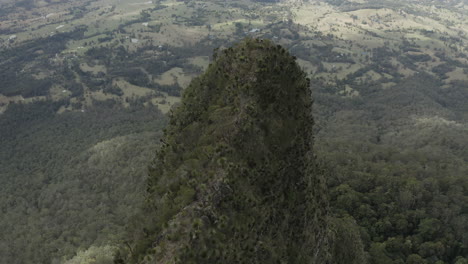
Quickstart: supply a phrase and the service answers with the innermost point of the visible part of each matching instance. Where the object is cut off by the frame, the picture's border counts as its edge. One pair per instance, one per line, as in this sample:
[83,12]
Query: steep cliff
[235,180]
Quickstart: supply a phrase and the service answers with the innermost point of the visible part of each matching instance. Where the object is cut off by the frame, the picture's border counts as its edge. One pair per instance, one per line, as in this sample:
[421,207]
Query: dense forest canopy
[61,178]
[86,86]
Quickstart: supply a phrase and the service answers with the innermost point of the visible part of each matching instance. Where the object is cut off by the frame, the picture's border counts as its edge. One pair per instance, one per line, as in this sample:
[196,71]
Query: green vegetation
[13,62]
[389,84]
[235,180]
[398,160]
[70,180]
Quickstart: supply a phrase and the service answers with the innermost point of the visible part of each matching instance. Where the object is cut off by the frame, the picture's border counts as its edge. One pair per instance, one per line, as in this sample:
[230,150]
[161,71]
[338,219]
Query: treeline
[135,67]
[17,78]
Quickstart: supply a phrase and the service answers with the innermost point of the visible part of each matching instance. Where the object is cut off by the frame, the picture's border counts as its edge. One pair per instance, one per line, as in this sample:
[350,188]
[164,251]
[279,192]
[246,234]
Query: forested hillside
[70,181]
[85,86]
[235,181]
[399,166]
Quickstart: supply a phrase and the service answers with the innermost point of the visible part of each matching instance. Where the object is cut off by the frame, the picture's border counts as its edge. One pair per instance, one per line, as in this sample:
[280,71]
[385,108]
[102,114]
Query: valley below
[87,88]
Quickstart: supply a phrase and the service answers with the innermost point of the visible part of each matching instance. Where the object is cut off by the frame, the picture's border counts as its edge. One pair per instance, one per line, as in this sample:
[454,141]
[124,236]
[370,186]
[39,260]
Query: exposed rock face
[235,181]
